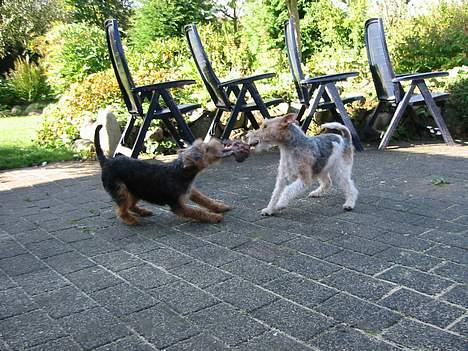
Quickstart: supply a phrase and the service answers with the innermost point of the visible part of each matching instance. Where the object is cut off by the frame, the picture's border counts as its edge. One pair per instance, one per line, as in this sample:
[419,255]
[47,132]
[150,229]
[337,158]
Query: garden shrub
[7,94]
[71,52]
[430,42]
[166,18]
[62,121]
[456,108]
[27,82]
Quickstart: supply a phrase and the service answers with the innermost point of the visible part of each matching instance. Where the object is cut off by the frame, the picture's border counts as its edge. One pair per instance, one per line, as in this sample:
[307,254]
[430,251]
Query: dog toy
[239,149]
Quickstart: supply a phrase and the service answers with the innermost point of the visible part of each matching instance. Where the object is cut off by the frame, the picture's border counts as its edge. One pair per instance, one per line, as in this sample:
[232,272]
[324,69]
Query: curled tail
[97,145]
[343,129]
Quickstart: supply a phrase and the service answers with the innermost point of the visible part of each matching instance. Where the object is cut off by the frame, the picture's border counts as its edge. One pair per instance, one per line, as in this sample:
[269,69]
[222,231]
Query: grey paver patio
[390,275]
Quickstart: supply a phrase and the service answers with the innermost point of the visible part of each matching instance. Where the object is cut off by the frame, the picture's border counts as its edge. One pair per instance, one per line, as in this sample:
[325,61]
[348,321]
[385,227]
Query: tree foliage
[20,21]
[166,18]
[72,52]
[97,11]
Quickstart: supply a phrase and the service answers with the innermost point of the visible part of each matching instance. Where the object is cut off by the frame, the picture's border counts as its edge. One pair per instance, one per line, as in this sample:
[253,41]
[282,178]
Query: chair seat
[184,108]
[418,99]
[347,100]
[253,106]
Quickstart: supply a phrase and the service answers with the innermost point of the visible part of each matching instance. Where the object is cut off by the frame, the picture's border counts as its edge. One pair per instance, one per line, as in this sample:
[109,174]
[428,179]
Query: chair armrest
[247,79]
[165,85]
[329,78]
[419,76]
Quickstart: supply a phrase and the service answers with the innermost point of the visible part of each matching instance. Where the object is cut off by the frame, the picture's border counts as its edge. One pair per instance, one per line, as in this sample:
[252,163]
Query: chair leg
[186,132]
[235,89]
[235,112]
[121,146]
[435,111]
[136,149]
[214,123]
[374,115]
[252,119]
[301,113]
[258,100]
[333,92]
[312,108]
[173,131]
[396,117]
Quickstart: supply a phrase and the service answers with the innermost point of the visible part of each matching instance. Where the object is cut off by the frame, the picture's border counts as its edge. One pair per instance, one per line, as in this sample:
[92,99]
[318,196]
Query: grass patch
[17,147]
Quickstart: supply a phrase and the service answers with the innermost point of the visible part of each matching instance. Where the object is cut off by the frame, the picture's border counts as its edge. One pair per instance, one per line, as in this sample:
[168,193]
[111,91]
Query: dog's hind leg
[124,201]
[205,201]
[136,209]
[324,185]
[200,214]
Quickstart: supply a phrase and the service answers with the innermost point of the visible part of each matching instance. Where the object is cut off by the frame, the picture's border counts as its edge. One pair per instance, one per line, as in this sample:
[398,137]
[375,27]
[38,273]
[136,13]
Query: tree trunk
[294,12]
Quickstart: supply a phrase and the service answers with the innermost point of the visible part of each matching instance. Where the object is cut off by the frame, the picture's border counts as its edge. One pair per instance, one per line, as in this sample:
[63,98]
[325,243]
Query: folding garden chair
[221,91]
[389,89]
[323,87]
[134,96]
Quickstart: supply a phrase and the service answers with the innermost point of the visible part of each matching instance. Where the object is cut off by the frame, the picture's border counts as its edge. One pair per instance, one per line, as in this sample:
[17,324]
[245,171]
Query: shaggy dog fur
[129,180]
[305,159]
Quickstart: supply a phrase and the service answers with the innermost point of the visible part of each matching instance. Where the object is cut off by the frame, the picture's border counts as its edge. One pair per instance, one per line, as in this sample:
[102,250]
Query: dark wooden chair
[389,89]
[134,96]
[324,88]
[220,92]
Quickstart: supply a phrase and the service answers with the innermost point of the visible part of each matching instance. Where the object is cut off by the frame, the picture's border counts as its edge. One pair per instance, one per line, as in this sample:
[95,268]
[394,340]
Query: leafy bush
[456,109]
[429,42]
[71,52]
[62,121]
[27,82]
[166,18]
[7,94]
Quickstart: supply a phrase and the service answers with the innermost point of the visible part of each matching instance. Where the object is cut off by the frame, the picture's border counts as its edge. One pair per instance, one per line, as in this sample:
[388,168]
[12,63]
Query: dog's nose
[254,143]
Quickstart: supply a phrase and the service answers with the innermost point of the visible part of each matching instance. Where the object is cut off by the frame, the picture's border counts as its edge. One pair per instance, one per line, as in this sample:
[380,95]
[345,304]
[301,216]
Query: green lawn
[17,147]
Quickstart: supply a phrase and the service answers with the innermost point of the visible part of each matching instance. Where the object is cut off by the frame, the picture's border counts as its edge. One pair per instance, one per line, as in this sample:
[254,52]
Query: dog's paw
[220,207]
[267,212]
[215,218]
[130,220]
[143,212]
[315,193]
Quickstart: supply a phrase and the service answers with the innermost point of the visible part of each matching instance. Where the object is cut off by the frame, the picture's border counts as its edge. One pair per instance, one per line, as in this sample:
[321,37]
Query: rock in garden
[110,133]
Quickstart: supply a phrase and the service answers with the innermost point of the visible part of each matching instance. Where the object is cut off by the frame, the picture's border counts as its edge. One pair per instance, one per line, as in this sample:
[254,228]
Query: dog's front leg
[205,201]
[293,190]
[197,213]
[279,187]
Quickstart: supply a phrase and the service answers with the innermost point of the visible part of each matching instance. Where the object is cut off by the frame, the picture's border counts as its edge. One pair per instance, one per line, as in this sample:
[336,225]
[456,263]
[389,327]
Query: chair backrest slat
[211,81]
[119,63]
[379,61]
[295,59]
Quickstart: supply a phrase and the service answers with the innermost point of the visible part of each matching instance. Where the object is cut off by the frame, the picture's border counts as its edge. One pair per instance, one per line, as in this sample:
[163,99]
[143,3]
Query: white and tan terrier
[305,159]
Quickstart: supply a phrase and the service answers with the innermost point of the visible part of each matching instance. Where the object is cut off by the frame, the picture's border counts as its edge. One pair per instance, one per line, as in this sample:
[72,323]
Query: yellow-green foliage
[71,52]
[63,120]
[27,81]
[430,42]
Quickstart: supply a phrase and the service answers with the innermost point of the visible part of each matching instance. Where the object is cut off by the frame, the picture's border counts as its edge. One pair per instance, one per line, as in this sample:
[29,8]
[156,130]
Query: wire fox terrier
[304,159]
[128,180]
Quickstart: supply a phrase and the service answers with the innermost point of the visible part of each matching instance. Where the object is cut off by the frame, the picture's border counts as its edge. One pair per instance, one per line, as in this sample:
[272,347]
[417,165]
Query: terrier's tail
[97,145]
[342,128]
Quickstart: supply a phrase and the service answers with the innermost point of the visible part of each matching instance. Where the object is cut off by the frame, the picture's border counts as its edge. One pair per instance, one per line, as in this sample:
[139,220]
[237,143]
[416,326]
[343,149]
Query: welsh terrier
[304,159]
[129,180]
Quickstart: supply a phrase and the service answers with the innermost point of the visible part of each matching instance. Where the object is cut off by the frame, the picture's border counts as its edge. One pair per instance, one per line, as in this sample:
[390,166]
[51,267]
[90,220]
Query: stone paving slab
[390,275]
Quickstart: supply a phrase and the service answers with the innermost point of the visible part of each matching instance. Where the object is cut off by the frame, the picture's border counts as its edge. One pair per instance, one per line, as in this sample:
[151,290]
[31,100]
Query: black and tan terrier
[129,180]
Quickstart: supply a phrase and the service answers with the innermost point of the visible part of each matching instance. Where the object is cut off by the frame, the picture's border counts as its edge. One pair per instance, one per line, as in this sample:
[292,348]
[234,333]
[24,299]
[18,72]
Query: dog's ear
[290,118]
